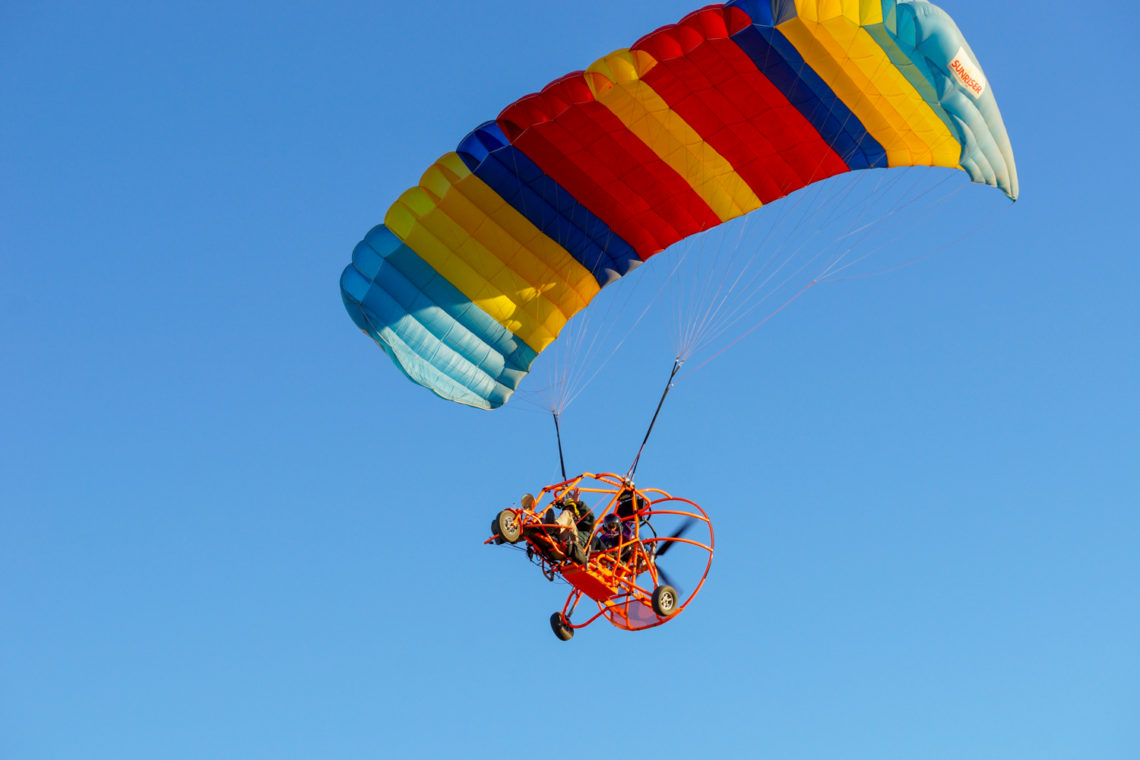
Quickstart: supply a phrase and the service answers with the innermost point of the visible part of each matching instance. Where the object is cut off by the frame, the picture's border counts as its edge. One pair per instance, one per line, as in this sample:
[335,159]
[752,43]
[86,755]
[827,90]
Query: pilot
[609,534]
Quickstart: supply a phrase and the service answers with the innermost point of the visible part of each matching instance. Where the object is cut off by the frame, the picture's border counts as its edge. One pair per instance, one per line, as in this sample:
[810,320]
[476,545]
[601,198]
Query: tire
[664,601]
[507,527]
[561,626]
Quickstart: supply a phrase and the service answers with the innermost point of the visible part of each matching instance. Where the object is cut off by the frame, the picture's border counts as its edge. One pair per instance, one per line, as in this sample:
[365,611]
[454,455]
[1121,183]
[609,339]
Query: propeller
[664,545]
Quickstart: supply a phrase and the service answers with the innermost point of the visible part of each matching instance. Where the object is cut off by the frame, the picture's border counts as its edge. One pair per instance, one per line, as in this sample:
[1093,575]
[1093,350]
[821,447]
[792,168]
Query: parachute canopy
[477,269]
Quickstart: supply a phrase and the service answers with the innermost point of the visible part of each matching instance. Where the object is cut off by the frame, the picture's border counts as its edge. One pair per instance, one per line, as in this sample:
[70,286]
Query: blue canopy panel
[433,333]
[931,39]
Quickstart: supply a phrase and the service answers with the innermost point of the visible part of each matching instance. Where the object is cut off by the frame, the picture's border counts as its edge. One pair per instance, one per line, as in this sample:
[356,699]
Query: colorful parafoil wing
[476,270]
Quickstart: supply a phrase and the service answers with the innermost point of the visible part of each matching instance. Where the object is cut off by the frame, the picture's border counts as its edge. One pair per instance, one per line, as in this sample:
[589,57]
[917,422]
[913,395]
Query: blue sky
[230,528]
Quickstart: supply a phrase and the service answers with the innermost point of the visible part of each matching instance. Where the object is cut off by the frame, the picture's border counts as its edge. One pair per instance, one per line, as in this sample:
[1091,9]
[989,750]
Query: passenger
[576,521]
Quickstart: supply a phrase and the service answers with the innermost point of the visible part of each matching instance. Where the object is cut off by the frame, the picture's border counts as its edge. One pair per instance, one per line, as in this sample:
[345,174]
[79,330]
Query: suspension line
[668,387]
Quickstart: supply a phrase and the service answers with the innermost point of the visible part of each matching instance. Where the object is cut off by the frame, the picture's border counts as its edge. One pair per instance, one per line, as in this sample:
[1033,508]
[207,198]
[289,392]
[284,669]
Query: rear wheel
[664,601]
[561,626]
[507,526]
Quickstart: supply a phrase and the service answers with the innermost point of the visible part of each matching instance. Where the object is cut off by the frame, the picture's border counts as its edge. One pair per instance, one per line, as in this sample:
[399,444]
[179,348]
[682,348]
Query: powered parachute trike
[612,558]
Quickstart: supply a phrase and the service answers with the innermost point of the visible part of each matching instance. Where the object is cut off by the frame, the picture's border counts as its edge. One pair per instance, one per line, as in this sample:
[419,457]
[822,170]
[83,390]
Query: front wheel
[664,601]
[507,526]
[561,626]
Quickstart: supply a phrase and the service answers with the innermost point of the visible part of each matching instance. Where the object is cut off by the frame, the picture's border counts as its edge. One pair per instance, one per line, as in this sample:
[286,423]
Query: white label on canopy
[969,73]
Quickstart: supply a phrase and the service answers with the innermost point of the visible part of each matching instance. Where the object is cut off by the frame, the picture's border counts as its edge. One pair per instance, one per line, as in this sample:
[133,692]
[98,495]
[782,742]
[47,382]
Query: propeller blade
[666,543]
[665,579]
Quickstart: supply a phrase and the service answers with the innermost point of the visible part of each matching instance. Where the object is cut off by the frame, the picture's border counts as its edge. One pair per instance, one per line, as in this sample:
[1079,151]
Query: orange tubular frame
[620,579]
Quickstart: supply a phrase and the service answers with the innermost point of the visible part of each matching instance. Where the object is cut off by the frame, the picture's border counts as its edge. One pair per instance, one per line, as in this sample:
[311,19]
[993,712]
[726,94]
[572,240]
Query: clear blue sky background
[229,528]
